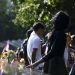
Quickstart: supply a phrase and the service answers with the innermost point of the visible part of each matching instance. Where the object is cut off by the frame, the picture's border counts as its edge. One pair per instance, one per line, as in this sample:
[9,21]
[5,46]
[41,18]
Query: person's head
[38,28]
[29,32]
[60,20]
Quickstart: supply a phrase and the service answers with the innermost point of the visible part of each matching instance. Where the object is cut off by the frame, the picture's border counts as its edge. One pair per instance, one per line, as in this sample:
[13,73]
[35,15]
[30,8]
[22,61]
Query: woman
[55,55]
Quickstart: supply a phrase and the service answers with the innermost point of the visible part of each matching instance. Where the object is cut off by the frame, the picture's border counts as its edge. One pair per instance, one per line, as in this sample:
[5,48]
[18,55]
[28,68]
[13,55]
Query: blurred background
[17,16]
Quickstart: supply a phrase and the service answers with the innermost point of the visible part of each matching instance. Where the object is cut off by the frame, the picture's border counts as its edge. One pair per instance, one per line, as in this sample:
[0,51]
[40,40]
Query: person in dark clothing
[55,56]
[72,71]
[24,46]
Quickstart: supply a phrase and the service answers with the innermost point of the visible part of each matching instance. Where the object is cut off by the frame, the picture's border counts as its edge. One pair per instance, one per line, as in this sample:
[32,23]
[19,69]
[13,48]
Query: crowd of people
[52,53]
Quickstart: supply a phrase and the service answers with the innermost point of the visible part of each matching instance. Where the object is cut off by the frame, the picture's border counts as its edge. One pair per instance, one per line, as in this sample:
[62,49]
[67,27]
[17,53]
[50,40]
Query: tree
[31,11]
[25,12]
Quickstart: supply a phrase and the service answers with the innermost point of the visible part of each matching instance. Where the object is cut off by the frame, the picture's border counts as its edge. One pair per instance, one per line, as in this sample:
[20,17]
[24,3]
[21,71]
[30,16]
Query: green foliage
[3,4]
[31,11]
[25,12]
[26,15]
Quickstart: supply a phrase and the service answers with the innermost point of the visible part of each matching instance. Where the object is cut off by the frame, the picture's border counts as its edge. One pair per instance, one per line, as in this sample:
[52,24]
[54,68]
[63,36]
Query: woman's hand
[35,63]
[29,66]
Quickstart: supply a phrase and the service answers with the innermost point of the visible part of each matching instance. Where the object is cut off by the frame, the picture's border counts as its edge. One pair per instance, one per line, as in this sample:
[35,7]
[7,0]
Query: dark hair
[60,20]
[38,26]
[29,32]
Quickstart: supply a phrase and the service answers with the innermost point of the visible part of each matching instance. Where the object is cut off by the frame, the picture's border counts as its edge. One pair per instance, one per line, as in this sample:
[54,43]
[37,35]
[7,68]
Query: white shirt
[34,42]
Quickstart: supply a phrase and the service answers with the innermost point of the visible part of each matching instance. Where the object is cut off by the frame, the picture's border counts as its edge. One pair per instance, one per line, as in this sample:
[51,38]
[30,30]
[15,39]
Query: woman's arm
[56,50]
[35,63]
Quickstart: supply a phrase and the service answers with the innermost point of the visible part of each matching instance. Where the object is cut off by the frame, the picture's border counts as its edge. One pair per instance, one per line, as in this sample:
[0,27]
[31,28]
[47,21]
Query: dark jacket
[24,46]
[72,71]
[56,54]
